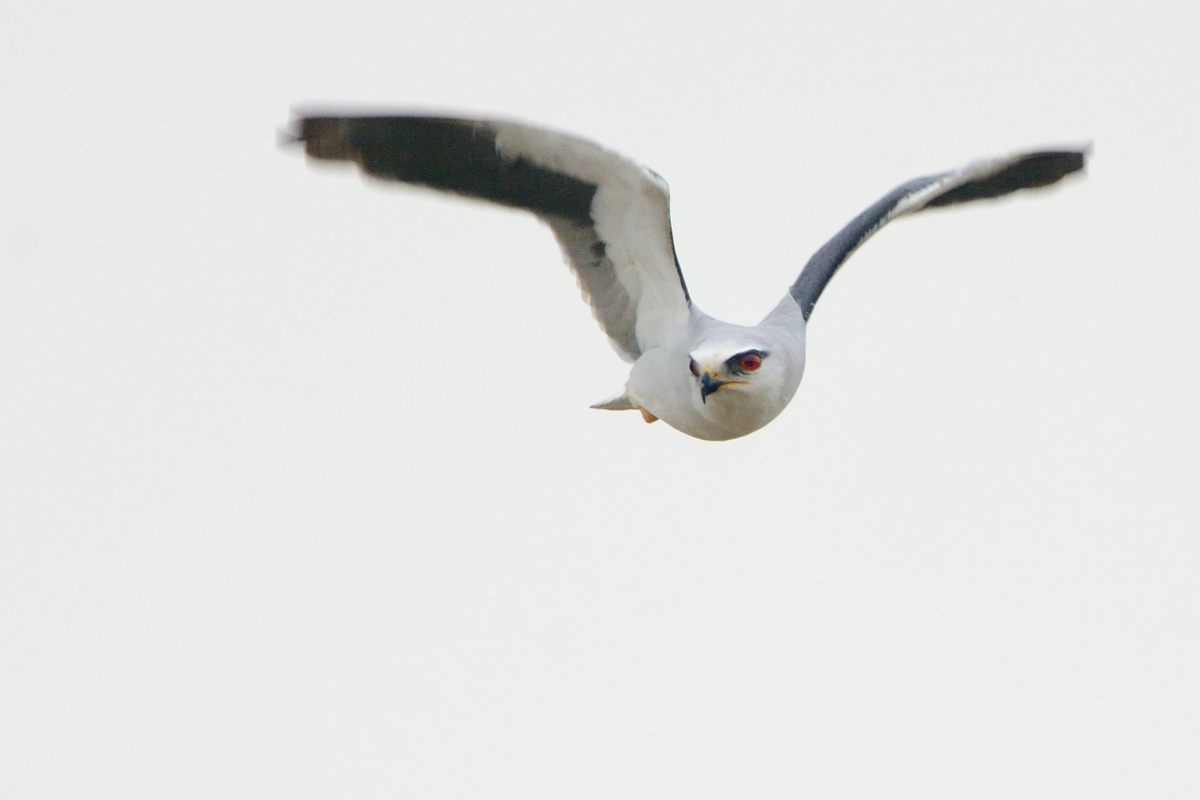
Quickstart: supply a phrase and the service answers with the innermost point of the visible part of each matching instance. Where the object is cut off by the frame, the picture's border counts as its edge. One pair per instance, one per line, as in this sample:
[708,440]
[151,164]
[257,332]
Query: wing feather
[611,215]
[976,181]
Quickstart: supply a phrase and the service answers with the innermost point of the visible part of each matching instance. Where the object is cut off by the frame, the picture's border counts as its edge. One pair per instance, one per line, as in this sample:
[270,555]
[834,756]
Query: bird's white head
[742,383]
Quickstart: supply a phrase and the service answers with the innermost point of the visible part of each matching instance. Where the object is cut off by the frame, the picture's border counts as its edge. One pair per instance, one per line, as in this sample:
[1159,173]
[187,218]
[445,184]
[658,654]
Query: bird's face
[727,383]
[734,372]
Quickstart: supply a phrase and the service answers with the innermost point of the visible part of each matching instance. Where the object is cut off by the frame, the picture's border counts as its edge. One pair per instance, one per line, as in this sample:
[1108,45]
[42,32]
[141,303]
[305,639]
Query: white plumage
[710,379]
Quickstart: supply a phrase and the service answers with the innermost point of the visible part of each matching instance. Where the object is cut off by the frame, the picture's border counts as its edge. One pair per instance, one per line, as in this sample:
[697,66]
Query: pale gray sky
[301,497]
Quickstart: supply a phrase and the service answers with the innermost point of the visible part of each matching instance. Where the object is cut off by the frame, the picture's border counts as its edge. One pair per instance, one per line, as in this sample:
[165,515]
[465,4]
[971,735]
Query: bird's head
[735,372]
[740,382]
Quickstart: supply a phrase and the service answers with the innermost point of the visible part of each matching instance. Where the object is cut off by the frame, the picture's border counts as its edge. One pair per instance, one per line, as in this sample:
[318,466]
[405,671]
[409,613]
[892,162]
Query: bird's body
[659,385]
[707,378]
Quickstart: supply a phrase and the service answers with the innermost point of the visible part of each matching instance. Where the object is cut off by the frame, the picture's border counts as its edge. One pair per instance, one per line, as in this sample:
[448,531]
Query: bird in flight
[707,378]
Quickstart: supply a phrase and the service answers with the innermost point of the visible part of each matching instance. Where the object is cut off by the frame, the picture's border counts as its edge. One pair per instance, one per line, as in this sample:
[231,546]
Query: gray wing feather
[976,181]
[610,215]
[599,285]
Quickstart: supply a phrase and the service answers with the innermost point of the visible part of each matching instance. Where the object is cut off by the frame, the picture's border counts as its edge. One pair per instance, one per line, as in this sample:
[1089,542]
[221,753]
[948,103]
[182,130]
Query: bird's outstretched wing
[975,181]
[611,215]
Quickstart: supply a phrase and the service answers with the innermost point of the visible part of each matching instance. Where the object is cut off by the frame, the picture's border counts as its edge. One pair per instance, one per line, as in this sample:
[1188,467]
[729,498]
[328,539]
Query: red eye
[750,361]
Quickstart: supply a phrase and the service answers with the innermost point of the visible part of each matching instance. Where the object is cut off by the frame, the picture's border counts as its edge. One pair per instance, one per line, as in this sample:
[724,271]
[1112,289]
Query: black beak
[708,385]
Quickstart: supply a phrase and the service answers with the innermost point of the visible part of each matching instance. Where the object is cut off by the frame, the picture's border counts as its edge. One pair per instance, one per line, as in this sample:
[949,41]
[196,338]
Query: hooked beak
[708,385]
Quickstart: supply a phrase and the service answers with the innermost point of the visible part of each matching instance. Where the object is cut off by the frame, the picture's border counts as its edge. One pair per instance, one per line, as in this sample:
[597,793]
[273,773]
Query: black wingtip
[1029,171]
[447,153]
[331,136]
[323,137]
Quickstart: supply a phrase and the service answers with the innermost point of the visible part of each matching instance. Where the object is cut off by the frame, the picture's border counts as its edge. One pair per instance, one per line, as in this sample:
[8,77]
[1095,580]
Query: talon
[646,415]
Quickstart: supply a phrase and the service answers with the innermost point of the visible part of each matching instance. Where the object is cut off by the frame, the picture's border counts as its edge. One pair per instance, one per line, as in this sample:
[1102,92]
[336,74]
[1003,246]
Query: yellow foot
[646,415]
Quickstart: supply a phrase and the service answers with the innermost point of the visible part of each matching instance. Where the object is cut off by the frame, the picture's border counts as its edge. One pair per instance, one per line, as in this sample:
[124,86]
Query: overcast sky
[300,493]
